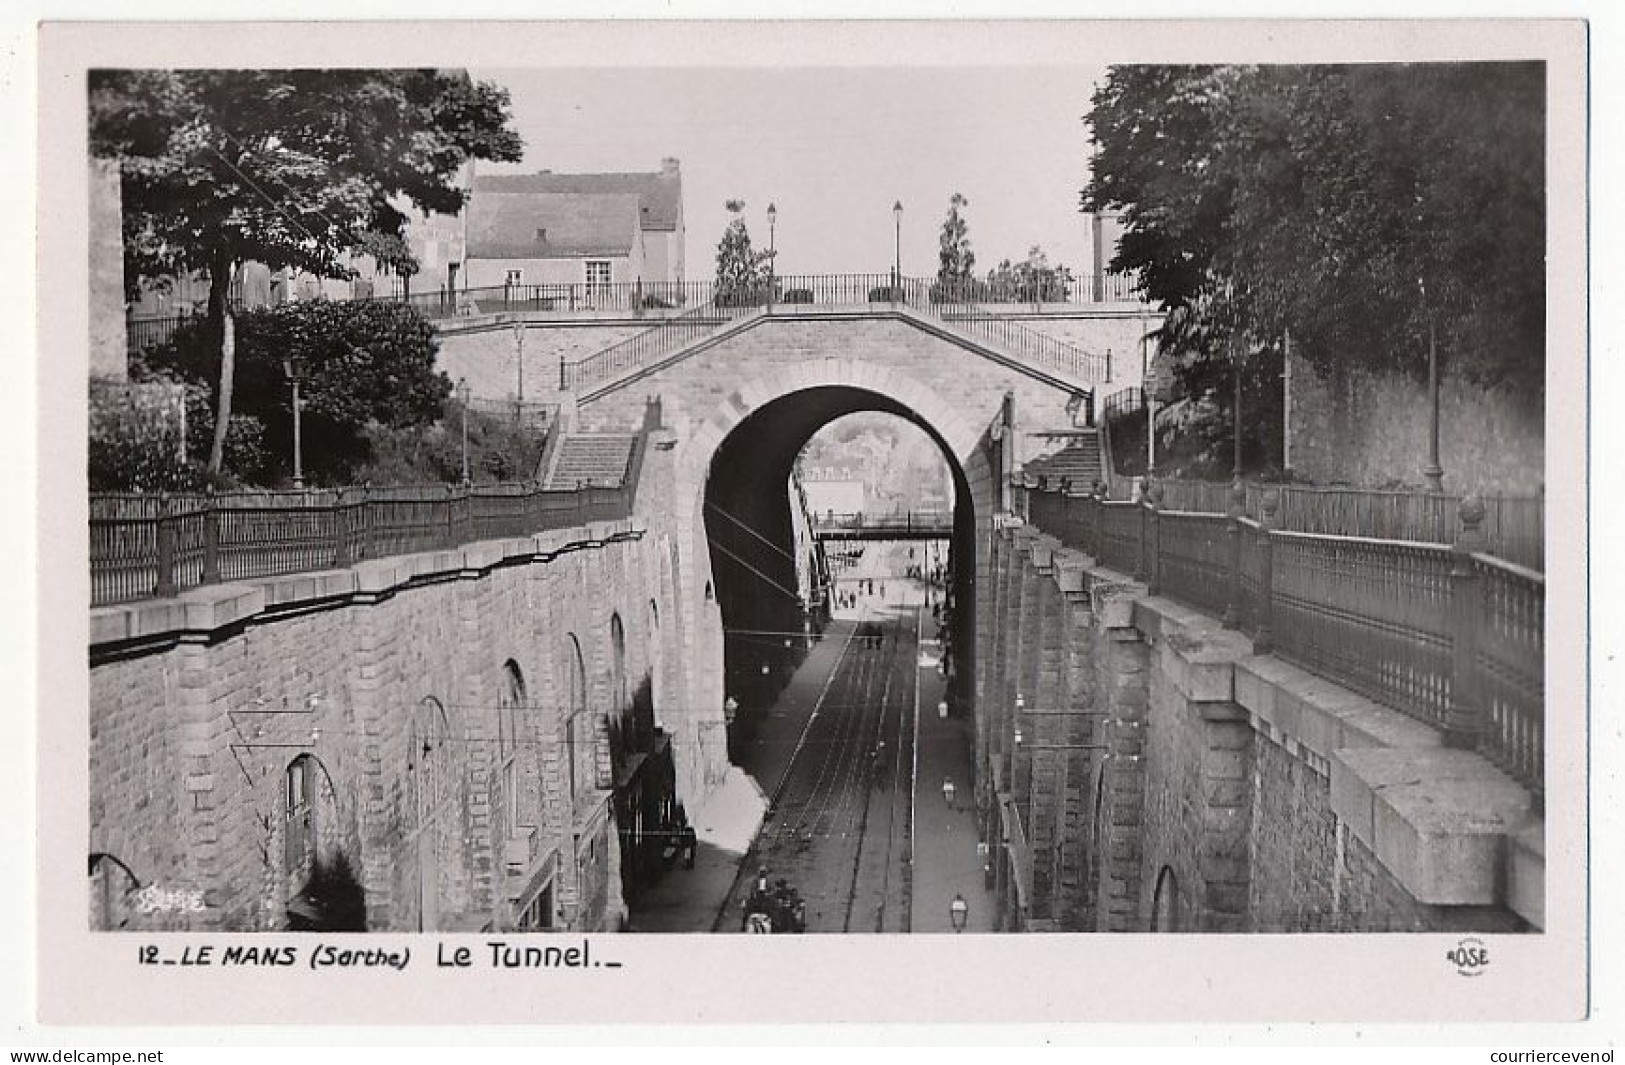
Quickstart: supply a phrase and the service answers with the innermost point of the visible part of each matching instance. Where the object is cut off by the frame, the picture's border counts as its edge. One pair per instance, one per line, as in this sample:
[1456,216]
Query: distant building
[576,229]
[841,497]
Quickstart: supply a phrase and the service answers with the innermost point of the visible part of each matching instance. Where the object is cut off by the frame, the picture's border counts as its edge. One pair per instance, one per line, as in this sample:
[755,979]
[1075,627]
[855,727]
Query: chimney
[670,166]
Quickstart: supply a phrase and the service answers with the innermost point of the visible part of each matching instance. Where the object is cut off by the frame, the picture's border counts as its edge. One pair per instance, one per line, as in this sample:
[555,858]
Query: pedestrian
[948,792]
[942,710]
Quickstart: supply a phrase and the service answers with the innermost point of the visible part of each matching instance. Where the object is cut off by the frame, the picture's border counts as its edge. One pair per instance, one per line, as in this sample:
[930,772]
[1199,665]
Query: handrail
[144,547]
[1513,527]
[793,293]
[955,306]
[647,347]
[1442,632]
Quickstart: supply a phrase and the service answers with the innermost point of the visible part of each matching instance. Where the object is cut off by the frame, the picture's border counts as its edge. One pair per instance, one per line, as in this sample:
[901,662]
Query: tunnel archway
[747,515]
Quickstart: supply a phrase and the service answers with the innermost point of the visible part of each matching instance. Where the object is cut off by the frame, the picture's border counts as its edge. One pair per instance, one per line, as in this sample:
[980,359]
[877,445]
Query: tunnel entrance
[773,587]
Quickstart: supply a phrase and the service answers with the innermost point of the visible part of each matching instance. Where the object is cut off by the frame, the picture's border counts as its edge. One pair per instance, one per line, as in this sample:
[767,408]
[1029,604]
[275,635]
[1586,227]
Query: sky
[833,148]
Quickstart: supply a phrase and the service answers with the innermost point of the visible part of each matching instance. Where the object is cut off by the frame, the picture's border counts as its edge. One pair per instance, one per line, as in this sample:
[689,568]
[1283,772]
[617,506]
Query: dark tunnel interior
[748,521]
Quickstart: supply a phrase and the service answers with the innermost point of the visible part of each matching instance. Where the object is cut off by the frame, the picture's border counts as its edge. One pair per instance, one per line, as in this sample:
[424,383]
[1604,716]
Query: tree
[1356,207]
[366,364]
[1031,281]
[742,272]
[297,169]
[955,260]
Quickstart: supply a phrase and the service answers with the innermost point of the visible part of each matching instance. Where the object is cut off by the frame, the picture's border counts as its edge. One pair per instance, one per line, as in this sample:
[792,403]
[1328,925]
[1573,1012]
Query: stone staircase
[597,460]
[1078,464]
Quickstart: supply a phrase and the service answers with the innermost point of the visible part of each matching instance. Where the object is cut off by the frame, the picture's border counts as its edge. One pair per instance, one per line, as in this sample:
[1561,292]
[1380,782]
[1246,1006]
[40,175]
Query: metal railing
[909,521]
[144,334]
[1439,631]
[646,348]
[949,306]
[791,293]
[1123,402]
[1065,290]
[155,546]
[1514,526]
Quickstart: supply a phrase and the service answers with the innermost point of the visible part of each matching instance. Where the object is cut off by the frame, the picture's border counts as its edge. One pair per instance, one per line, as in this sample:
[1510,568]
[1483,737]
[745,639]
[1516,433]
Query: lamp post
[294,368]
[1433,472]
[772,252]
[1150,395]
[462,401]
[958,913]
[1236,356]
[897,249]
[519,353]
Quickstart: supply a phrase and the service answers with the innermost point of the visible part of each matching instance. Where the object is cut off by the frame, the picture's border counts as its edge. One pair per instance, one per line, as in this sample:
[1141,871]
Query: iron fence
[1123,402]
[646,348]
[144,334]
[1514,526]
[1442,632]
[789,294]
[146,546]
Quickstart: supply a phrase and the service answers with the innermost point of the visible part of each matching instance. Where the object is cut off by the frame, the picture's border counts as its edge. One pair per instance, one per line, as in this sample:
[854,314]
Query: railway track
[833,826]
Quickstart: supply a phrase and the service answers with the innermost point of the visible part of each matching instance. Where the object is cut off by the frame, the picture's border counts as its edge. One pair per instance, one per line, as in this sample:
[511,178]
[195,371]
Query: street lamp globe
[958,913]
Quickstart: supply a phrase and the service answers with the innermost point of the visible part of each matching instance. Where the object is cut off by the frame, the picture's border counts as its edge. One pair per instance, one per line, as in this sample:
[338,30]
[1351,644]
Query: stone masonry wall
[1247,794]
[695,386]
[488,359]
[191,741]
[1489,440]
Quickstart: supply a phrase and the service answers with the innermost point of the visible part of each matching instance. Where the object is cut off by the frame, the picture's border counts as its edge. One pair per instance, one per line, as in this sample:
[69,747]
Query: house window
[515,277]
[598,273]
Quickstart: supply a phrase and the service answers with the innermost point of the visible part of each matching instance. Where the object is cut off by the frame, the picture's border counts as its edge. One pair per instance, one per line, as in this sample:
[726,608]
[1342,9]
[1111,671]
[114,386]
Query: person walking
[948,791]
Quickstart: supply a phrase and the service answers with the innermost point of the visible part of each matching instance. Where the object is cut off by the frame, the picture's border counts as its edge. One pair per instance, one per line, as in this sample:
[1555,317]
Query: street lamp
[519,352]
[897,249]
[772,250]
[958,912]
[294,369]
[1434,472]
[462,401]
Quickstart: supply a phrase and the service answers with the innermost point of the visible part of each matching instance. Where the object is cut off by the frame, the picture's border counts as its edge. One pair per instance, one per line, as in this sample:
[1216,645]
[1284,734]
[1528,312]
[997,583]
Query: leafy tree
[1356,207]
[296,169]
[742,272]
[1031,281]
[955,260]
[366,364]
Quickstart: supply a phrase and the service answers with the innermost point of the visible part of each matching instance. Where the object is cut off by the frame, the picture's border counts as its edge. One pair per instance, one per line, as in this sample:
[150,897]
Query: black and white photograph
[958,504]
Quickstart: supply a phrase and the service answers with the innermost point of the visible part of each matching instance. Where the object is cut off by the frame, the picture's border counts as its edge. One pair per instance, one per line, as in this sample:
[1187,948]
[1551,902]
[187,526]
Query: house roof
[660,194]
[518,225]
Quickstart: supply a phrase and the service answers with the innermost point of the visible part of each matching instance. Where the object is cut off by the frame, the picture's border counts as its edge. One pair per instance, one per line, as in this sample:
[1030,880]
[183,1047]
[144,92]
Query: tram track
[824,833]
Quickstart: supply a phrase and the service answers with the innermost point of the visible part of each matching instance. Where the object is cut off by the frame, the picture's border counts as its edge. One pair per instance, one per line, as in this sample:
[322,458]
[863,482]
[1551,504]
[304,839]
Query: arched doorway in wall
[1165,903]
[432,776]
[1097,846]
[322,882]
[113,894]
[579,728]
[511,699]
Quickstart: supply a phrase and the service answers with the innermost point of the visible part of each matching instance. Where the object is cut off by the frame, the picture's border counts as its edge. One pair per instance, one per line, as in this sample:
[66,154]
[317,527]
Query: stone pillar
[1226,793]
[109,355]
[203,734]
[1123,680]
[1045,730]
[989,668]
[1080,732]
[380,846]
